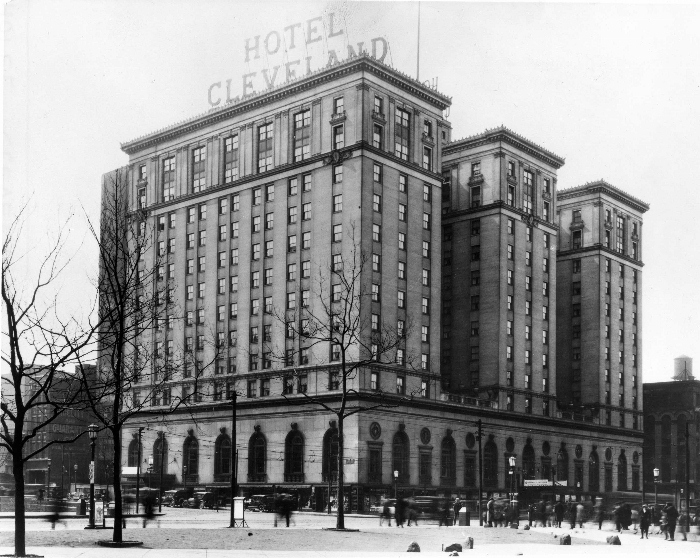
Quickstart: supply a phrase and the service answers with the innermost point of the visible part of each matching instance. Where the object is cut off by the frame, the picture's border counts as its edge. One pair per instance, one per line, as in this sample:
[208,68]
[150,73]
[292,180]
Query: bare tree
[137,362]
[335,318]
[37,347]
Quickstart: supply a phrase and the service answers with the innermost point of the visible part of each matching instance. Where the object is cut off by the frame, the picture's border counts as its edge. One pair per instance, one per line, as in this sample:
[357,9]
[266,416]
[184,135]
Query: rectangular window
[168,180]
[426,249]
[265,146]
[338,203]
[269,249]
[620,234]
[511,226]
[376,262]
[199,159]
[511,196]
[337,174]
[576,240]
[510,251]
[375,292]
[528,182]
[377,136]
[302,135]
[427,158]
[476,196]
[426,277]
[255,254]
[338,137]
[402,270]
[425,305]
[291,301]
[425,361]
[231,158]
[400,385]
[401,299]
[402,134]
[426,221]
[202,212]
[474,302]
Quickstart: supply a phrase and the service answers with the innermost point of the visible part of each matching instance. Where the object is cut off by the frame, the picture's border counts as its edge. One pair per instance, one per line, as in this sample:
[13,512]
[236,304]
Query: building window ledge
[476,179]
[379,117]
[576,225]
[428,140]
[338,117]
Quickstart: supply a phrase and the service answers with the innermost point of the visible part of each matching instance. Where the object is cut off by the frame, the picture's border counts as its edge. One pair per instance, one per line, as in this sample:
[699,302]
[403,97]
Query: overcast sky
[615,89]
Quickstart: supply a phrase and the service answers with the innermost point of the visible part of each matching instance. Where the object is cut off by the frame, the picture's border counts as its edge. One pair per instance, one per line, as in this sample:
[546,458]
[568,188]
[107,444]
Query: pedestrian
[580,514]
[572,514]
[634,518]
[399,512]
[559,513]
[490,509]
[600,515]
[386,514]
[411,512]
[663,524]
[549,514]
[682,519]
[149,513]
[54,516]
[542,513]
[617,516]
[444,513]
[457,506]
[287,510]
[645,520]
[672,517]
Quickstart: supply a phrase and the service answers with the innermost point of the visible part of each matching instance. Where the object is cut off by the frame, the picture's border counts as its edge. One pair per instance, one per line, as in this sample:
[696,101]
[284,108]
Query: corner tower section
[499,237]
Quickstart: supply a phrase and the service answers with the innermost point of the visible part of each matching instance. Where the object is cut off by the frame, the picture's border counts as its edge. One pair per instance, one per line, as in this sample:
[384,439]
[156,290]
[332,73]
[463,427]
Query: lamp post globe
[656,483]
[396,485]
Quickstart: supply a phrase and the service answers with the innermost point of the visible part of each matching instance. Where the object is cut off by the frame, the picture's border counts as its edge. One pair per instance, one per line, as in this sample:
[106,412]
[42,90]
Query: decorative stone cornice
[503,134]
[476,179]
[359,64]
[603,187]
[599,247]
[362,86]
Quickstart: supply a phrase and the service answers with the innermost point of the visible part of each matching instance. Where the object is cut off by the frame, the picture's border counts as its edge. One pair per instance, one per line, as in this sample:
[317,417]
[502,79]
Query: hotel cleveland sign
[294,52]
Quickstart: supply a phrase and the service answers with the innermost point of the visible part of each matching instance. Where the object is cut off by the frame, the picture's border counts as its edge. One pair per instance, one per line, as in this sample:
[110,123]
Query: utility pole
[160,484]
[687,478]
[481,473]
[234,464]
[138,471]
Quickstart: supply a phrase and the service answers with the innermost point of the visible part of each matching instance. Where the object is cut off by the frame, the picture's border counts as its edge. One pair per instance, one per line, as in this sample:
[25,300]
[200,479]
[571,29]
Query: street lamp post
[396,486]
[150,469]
[92,433]
[75,477]
[48,478]
[511,472]
[656,483]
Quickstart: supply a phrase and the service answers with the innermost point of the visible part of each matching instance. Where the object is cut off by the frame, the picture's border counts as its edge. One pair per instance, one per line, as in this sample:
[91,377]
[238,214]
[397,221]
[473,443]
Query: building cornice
[599,248]
[530,219]
[363,63]
[504,135]
[603,187]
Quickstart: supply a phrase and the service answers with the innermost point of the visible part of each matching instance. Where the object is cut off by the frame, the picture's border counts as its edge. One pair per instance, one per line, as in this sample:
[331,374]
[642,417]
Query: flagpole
[418,52]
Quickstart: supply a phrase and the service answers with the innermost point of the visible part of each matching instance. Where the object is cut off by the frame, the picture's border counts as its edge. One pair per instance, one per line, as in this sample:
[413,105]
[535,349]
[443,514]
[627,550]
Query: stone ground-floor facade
[432,444]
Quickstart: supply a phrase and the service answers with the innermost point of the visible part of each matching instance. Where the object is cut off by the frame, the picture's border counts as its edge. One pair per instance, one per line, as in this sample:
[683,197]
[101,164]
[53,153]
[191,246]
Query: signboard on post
[239,512]
[99,512]
[543,482]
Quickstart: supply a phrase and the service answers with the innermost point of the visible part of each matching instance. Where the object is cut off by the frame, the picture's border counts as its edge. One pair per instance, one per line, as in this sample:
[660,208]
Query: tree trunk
[20,528]
[340,524]
[116,479]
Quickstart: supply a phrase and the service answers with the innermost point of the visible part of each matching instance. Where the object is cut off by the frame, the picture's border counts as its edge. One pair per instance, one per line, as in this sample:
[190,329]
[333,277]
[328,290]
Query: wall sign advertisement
[294,51]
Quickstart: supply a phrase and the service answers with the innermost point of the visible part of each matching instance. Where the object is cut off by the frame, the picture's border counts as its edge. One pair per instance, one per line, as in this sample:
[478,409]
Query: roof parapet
[603,185]
[240,103]
[503,133]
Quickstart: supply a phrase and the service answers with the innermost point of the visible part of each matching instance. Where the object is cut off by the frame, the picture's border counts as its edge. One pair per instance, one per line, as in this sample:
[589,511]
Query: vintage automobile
[176,498]
[201,500]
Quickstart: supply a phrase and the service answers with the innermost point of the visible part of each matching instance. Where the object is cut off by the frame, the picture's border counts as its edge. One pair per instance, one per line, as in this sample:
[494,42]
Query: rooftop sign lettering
[292,52]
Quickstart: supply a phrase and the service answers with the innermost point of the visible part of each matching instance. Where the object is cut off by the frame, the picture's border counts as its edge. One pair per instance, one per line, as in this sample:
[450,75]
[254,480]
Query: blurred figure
[399,511]
[54,515]
[490,509]
[457,506]
[444,513]
[411,512]
[600,515]
[149,512]
[580,514]
[671,518]
[572,514]
[386,513]
[559,513]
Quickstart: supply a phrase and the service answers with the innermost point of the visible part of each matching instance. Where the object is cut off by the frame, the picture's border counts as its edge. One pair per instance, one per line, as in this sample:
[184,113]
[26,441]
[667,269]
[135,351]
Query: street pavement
[308,527]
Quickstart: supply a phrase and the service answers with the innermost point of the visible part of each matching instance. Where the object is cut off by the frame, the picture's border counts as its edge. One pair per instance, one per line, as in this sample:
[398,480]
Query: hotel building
[253,200]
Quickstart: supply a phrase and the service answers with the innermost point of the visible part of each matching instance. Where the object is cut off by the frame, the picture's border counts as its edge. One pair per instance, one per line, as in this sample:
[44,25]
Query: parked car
[260,502]
[201,500]
[176,498]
